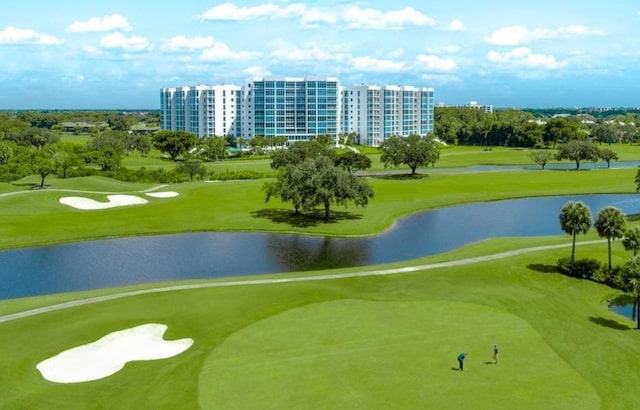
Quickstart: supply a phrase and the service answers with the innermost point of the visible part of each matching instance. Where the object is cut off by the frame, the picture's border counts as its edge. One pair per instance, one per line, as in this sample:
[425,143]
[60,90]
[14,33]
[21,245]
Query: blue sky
[119,53]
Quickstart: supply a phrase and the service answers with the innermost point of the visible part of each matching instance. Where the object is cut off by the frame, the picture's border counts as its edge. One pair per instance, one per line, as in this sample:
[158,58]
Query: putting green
[368,354]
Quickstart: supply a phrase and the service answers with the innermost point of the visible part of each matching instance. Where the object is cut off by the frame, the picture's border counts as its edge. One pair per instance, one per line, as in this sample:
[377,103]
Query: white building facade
[203,110]
[299,109]
[375,113]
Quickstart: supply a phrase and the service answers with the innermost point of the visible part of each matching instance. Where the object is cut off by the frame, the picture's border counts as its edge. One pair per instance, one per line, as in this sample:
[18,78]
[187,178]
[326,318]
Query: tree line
[517,128]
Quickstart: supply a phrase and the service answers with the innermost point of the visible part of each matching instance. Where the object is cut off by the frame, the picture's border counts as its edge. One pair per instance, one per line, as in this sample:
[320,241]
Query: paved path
[98,299]
[154,188]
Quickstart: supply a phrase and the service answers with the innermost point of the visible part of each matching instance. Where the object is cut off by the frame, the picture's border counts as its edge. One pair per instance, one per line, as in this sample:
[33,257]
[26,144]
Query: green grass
[37,217]
[375,342]
[361,343]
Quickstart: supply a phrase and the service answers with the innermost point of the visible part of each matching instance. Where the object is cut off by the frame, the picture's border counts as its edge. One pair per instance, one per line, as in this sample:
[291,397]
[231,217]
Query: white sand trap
[113,202]
[168,194]
[109,354]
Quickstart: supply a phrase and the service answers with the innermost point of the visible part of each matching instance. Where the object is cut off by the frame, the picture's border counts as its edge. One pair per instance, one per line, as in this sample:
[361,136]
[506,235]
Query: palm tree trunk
[573,247]
[638,311]
[609,244]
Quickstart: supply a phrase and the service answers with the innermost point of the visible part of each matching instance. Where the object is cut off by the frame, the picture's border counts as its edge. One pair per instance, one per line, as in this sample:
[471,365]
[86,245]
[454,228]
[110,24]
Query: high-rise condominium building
[296,108]
[299,109]
[375,113]
[203,110]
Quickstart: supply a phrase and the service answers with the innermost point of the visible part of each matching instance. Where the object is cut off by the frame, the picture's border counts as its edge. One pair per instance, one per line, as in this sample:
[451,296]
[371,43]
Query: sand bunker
[113,202]
[168,194]
[110,353]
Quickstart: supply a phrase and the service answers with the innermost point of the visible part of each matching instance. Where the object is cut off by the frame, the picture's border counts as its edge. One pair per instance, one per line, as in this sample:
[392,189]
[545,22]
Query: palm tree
[631,271]
[575,218]
[610,225]
[631,240]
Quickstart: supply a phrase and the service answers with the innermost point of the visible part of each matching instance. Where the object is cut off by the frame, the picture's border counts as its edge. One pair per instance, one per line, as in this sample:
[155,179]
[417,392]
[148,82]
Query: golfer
[495,354]
[461,358]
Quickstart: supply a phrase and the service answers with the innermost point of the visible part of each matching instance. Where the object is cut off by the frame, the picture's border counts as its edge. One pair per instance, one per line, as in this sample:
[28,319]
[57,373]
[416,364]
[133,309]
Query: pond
[147,259]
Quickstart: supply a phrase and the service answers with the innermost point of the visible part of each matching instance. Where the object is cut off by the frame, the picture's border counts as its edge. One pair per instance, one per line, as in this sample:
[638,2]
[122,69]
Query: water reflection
[298,253]
[127,261]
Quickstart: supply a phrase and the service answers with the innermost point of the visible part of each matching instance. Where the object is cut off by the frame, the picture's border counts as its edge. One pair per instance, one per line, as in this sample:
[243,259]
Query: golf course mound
[367,354]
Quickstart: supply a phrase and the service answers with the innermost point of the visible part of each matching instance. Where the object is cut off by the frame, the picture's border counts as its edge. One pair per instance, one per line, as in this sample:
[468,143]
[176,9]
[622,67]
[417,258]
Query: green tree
[214,148]
[608,155]
[412,150]
[610,224]
[7,149]
[297,152]
[577,151]
[630,271]
[174,143]
[560,130]
[631,240]
[575,218]
[606,132]
[65,157]
[541,157]
[106,149]
[352,161]
[317,181]
[43,164]
[192,167]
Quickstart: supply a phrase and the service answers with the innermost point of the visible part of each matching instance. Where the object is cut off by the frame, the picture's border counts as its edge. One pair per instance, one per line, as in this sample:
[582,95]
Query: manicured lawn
[375,342]
[37,217]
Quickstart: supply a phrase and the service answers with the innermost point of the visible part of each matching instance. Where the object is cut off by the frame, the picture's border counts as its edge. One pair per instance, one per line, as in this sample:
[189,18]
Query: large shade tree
[174,143]
[610,224]
[578,151]
[575,218]
[318,182]
[413,150]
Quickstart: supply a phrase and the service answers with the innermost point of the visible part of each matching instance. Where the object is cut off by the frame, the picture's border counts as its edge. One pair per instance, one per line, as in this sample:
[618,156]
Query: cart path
[79,191]
[312,278]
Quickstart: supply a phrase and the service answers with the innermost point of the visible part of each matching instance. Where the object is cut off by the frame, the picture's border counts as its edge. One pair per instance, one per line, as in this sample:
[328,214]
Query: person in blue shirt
[461,358]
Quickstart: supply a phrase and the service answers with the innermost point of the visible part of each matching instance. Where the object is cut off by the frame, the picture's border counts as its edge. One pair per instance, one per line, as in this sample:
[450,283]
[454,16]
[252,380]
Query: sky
[118,54]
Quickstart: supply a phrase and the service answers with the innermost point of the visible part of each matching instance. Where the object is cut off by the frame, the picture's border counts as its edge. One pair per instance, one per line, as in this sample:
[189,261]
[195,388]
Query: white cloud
[100,24]
[221,52]
[439,79]
[229,11]
[397,53]
[456,25]
[13,35]
[524,57]
[315,16]
[92,51]
[435,63]
[182,43]
[310,52]
[120,41]
[518,35]
[352,16]
[452,49]
[255,71]
[356,17]
[369,64]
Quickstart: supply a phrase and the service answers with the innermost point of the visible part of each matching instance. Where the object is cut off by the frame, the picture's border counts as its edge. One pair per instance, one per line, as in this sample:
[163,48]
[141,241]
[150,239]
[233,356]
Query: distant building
[299,109]
[483,107]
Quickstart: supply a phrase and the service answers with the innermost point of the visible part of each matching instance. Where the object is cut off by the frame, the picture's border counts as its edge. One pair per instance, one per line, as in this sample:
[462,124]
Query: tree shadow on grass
[399,177]
[539,267]
[612,324]
[302,220]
